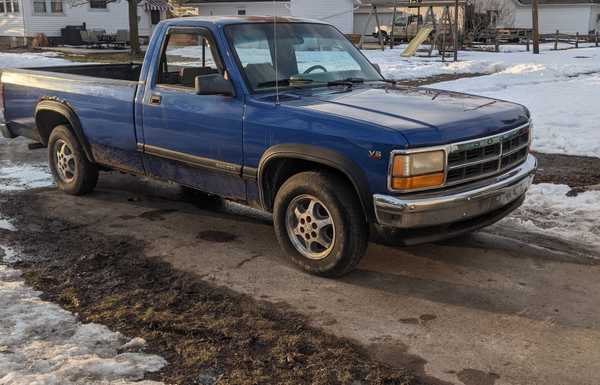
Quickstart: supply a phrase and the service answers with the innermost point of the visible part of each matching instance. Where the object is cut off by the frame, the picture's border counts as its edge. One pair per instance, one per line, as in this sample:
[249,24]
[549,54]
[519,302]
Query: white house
[21,20]
[337,12]
[568,16]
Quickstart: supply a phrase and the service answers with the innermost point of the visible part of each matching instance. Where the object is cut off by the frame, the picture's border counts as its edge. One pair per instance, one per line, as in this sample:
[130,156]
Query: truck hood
[425,117]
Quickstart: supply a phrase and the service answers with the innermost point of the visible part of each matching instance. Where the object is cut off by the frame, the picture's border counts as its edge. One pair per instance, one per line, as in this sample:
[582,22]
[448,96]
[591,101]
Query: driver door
[194,140]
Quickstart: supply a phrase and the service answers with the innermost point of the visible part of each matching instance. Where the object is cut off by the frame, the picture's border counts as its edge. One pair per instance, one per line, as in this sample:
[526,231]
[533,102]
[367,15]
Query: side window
[186,56]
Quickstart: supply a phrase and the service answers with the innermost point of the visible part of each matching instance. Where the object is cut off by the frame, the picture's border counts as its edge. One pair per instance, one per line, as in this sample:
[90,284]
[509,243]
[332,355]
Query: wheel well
[46,120]
[277,171]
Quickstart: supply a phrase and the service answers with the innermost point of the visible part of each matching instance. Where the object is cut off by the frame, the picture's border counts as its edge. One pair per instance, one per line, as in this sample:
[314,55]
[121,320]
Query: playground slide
[414,44]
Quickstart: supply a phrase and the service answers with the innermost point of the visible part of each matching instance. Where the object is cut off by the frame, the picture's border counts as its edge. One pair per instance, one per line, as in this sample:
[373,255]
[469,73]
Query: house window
[98,4]
[154,16]
[2,9]
[39,7]
[241,12]
[56,6]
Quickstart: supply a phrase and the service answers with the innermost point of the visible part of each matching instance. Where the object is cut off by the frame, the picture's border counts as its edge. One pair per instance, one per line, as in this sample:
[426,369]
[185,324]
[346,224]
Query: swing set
[441,34]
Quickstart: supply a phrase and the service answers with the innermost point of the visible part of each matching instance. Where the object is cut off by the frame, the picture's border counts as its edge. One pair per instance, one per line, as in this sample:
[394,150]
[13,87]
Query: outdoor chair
[122,37]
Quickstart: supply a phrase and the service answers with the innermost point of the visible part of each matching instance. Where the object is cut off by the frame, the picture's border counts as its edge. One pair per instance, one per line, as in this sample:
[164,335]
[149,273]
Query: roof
[227,20]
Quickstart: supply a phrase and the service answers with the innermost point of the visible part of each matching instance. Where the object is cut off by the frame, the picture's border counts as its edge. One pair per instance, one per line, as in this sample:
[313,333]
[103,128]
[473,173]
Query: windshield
[309,55]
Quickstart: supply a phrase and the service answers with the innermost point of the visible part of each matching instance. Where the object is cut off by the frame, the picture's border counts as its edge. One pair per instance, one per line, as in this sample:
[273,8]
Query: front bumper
[457,204]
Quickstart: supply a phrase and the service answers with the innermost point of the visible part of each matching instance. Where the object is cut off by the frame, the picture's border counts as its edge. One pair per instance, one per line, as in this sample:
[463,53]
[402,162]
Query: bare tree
[134,35]
[487,15]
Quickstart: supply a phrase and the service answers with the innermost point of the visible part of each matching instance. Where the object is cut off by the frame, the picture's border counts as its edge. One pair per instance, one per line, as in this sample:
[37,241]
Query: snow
[42,344]
[26,176]
[6,224]
[549,211]
[28,59]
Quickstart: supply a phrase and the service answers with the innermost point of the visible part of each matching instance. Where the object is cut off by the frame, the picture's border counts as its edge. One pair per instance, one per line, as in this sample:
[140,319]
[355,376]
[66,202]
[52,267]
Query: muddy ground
[208,334]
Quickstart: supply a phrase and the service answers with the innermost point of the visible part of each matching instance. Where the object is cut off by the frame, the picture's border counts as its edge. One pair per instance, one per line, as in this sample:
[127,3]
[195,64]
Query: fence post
[556,40]
[577,40]
[597,33]
[496,44]
[527,39]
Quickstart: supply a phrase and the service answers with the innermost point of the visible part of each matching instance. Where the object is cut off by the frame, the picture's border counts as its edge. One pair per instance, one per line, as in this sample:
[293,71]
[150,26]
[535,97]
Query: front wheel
[320,223]
[72,171]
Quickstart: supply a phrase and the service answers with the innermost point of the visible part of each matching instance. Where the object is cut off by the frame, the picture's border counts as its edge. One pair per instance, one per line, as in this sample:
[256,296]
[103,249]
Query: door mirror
[213,84]
[377,67]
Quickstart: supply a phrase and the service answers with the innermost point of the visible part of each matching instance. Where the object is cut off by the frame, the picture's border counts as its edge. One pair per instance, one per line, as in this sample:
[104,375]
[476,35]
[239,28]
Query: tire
[72,171]
[333,249]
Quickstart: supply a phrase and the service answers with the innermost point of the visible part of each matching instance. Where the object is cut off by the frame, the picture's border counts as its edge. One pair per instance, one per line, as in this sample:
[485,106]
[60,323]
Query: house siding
[565,18]
[113,18]
[12,24]
[252,9]
[337,12]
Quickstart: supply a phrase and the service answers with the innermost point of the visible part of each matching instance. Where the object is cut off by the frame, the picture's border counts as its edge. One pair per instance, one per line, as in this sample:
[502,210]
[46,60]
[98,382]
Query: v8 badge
[375,154]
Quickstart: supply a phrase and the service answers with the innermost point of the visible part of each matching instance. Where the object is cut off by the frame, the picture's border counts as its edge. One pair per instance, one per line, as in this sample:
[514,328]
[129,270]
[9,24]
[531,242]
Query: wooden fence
[497,39]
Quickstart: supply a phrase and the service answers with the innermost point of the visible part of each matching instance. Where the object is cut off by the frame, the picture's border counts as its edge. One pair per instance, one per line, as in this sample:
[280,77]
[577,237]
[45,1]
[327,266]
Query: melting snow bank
[550,212]
[547,66]
[28,59]
[40,343]
[23,176]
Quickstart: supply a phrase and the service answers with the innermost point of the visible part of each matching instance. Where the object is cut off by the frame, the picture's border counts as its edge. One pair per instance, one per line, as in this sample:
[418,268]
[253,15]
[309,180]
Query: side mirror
[213,84]
[377,67]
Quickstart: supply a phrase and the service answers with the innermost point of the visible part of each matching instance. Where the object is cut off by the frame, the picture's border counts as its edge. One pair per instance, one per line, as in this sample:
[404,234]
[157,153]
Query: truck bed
[100,95]
[129,72]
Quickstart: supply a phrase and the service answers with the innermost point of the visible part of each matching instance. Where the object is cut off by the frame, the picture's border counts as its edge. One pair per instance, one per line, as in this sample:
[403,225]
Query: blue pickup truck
[287,116]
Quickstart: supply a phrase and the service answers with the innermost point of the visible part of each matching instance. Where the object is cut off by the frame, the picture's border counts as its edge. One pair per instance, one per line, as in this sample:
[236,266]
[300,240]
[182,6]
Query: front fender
[324,156]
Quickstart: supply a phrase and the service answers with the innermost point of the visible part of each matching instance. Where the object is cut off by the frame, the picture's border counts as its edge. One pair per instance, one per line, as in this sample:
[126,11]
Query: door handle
[155,99]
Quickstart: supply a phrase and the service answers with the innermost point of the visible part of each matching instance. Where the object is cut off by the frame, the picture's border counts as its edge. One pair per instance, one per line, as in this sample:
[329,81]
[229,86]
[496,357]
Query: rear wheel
[72,171]
[319,222]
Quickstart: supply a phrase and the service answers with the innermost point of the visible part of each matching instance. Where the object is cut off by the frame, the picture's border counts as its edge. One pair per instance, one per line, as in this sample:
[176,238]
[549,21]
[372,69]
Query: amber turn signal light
[418,182]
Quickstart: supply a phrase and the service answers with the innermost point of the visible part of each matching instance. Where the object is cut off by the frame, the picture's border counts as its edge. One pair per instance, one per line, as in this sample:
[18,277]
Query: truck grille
[481,158]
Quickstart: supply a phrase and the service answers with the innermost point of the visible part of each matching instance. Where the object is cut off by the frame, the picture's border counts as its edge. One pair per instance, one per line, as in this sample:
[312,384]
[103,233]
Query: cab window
[185,56]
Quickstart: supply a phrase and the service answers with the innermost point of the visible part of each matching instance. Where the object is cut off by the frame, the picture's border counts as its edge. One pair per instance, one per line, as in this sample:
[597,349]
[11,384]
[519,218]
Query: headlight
[418,170]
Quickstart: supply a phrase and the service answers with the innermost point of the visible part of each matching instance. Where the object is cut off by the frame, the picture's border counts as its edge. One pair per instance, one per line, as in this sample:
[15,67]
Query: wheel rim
[310,227]
[66,166]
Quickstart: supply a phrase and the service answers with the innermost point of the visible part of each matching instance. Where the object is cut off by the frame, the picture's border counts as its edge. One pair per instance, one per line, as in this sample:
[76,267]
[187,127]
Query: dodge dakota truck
[286,116]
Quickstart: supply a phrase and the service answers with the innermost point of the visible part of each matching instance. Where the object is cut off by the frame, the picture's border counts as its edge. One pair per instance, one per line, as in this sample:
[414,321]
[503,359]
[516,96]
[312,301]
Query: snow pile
[549,211]
[40,343]
[6,224]
[28,59]
[23,176]
[556,63]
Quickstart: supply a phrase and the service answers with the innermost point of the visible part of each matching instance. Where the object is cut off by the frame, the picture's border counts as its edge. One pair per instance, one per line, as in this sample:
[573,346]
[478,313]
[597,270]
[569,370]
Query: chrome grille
[480,158]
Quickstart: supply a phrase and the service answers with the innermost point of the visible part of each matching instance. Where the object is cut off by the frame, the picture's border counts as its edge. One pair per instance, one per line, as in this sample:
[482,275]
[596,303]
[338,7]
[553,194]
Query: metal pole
[535,26]
[362,37]
[392,38]
[456,30]
[380,34]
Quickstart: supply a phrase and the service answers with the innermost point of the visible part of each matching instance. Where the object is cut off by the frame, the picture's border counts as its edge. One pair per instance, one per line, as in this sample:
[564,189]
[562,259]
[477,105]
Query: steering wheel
[315,67]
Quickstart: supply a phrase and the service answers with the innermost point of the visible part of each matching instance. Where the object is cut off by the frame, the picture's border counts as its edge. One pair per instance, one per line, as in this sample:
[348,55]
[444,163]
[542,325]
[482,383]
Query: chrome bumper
[457,204]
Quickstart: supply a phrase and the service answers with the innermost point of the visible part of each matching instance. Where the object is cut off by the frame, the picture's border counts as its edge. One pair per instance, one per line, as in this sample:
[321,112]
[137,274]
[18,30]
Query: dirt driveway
[480,310]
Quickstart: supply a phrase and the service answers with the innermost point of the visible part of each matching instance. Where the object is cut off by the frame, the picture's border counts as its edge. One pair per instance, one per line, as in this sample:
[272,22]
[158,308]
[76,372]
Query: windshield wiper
[285,82]
[346,82]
